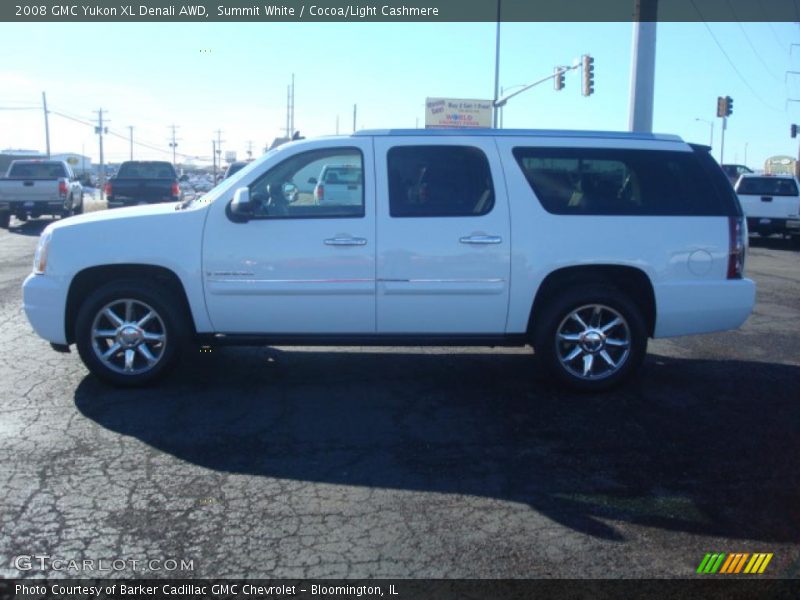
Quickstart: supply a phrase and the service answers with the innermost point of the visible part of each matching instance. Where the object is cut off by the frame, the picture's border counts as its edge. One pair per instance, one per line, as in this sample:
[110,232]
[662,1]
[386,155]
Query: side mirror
[241,208]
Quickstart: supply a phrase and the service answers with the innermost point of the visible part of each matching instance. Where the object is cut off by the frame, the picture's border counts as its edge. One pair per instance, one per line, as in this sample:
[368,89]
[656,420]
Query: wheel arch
[91,278]
[631,281]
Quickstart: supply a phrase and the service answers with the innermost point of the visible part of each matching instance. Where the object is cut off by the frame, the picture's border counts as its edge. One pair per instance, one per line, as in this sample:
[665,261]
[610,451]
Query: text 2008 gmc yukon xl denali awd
[583,244]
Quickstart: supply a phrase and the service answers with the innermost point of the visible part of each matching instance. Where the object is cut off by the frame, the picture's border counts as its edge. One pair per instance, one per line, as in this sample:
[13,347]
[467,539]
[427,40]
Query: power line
[732,64]
[749,41]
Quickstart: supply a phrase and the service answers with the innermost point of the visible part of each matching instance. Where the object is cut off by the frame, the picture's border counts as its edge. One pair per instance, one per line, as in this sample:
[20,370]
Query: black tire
[5,219]
[168,321]
[553,351]
[77,209]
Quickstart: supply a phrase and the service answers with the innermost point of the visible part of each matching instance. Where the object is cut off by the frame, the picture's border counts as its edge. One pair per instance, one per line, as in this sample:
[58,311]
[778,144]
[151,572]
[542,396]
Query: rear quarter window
[599,181]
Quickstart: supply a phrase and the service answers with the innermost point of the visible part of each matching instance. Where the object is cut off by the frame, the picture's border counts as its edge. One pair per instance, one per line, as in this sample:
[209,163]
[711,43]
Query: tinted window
[439,181]
[38,170]
[146,170]
[298,188]
[767,186]
[594,181]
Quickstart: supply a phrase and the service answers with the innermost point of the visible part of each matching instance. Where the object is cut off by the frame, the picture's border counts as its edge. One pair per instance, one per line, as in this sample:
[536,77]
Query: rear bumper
[43,299]
[33,207]
[686,308]
[768,225]
[113,202]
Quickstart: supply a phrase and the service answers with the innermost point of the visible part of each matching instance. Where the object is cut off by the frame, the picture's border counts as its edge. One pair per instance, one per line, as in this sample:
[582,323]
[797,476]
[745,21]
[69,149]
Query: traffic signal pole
[722,140]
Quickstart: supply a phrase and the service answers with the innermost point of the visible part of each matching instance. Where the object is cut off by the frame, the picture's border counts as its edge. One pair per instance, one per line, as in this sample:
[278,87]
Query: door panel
[299,267]
[440,273]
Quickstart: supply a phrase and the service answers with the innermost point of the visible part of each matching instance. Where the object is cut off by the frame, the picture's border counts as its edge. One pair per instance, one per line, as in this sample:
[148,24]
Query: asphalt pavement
[402,462]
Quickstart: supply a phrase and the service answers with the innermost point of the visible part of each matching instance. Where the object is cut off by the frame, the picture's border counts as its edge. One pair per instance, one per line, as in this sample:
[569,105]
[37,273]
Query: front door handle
[481,239]
[345,241]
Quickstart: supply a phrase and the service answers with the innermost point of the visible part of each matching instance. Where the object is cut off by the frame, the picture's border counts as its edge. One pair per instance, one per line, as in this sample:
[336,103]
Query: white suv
[583,244]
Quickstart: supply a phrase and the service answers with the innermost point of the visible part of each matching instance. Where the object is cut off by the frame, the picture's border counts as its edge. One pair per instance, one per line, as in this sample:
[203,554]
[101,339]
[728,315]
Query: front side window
[596,181]
[439,181]
[321,183]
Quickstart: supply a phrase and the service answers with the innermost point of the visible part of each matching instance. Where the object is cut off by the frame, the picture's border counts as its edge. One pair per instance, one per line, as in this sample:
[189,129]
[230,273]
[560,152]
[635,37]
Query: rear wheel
[128,332]
[590,337]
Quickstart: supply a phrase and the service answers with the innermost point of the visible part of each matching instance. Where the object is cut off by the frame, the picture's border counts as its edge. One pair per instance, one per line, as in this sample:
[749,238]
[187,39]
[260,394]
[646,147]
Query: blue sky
[233,77]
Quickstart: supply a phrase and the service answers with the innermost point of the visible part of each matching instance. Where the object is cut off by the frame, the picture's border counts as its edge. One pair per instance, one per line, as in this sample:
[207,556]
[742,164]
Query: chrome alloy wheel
[128,336]
[593,342]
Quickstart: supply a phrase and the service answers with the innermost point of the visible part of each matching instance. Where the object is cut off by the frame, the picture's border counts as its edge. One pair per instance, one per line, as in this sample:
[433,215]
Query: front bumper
[44,300]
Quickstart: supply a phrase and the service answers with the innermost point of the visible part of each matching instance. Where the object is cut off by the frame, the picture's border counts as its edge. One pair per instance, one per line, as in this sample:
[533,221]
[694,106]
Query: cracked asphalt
[404,462]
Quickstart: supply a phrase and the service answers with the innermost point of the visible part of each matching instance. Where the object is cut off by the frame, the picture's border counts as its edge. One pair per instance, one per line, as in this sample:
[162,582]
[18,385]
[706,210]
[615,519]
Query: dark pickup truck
[143,182]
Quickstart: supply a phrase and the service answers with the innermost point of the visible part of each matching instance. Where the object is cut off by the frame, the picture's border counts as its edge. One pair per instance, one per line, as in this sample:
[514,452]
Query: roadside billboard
[457,112]
[780,165]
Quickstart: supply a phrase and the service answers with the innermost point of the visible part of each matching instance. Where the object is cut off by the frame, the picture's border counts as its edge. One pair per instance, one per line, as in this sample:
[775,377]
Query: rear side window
[146,170]
[439,181]
[767,186]
[599,181]
[38,170]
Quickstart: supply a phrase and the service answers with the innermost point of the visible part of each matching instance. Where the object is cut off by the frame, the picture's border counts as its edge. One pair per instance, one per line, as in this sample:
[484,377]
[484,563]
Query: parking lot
[405,462]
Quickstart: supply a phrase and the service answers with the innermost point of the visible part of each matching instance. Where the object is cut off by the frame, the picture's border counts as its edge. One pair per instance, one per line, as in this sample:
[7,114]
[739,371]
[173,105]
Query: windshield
[767,186]
[146,170]
[37,170]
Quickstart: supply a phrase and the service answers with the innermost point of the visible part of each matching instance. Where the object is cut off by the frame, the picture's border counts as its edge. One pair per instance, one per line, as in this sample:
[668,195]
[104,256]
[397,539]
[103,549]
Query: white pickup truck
[35,187]
[582,244]
[771,203]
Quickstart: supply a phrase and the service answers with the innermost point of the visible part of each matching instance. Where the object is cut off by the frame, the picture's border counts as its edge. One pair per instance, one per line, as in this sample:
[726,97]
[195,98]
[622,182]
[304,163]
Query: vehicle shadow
[31,227]
[700,446]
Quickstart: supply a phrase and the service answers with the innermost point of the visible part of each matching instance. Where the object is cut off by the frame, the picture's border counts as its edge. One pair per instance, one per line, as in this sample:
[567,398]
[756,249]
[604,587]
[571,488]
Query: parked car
[733,172]
[143,182]
[338,184]
[235,167]
[582,244]
[771,203]
[32,188]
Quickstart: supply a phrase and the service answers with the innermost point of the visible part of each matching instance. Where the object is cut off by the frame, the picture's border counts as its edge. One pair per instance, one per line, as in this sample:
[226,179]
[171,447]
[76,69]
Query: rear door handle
[345,241]
[481,239]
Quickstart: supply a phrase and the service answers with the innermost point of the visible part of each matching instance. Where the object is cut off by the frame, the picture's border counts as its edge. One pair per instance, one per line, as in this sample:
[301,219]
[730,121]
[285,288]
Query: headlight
[40,256]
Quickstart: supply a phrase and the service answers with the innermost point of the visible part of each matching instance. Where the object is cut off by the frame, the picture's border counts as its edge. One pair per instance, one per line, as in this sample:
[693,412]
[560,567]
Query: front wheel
[591,337]
[128,332]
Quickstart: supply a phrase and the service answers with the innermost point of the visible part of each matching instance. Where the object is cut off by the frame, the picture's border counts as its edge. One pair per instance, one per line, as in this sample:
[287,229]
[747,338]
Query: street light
[711,125]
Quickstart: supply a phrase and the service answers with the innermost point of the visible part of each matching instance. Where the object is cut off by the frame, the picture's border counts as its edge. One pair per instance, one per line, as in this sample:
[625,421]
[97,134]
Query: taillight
[736,247]
[176,190]
[107,188]
[62,188]
[320,192]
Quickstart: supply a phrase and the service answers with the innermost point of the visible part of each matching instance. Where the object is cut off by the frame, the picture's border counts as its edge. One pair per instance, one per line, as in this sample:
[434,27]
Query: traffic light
[558,80]
[721,108]
[588,75]
[728,106]
[794,130]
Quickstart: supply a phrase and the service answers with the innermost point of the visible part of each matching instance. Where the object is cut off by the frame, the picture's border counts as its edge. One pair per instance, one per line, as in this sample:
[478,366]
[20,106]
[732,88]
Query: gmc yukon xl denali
[582,244]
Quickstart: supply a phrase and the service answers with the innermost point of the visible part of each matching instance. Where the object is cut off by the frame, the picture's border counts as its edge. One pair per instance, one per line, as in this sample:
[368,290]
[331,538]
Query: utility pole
[337,124]
[214,159]
[219,148]
[100,129]
[249,149]
[130,129]
[643,66]
[173,144]
[496,69]
[291,124]
[355,111]
[46,125]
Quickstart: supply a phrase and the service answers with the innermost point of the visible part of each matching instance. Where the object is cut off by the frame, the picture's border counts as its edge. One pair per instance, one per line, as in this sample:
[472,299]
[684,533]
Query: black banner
[398,10]
[733,588]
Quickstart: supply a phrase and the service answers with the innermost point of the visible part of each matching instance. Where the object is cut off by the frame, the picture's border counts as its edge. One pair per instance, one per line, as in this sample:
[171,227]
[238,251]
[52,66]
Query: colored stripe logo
[734,563]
